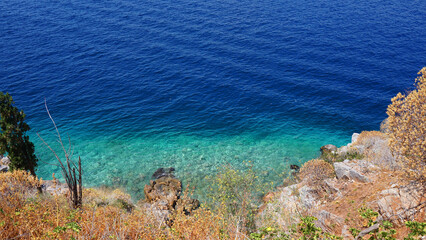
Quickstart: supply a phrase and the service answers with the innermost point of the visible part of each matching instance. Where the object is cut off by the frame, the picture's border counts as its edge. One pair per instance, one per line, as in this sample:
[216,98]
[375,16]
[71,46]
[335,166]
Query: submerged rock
[164,172]
[295,167]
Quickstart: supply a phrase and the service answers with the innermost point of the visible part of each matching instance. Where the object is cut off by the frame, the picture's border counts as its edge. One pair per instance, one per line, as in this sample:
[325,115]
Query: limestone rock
[308,197]
[54,187]
[284,207]
[4,160]
[327,219]
[342,151]
[4,164]
[399,204]
[344,170]
[354,137]
[4,168]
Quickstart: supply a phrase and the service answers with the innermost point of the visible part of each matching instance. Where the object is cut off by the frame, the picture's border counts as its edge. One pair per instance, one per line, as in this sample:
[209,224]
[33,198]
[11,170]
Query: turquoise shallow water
[129,162]
[197,84]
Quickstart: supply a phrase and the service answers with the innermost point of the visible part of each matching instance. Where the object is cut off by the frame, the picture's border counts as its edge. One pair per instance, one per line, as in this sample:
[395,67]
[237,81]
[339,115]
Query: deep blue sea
[194,85]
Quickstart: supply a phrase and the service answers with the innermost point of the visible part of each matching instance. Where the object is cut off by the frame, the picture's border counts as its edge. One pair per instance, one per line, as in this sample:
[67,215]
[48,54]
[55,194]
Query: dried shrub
[202,224]
[234,195]
[36,216]
[315,171]
[374,145]
[17,186]
[105,196]
[407,129]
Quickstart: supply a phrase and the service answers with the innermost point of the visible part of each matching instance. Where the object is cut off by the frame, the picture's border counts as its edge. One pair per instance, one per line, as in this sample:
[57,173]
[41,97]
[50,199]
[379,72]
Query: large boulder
[347,170]
[164,192]
[163,196]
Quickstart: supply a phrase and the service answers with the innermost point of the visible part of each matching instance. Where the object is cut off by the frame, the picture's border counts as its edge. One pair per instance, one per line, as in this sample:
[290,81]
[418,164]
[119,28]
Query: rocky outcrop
[163,196]
[354,138]
[358,183]
[347,170]
[401,203]
[327,219]
[54,187]
[164,192]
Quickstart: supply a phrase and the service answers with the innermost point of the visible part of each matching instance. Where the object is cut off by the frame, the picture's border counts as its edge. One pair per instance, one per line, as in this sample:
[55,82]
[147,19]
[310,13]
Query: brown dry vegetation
[25,214]
[315,171]
[407,129]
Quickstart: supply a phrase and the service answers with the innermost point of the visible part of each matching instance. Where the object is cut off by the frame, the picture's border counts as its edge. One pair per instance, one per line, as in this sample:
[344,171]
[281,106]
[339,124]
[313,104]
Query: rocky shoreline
[358,183]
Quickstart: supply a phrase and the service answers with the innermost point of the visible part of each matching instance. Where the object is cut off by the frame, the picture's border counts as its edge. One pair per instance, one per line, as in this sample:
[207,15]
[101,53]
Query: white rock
[345,171]
[354,137]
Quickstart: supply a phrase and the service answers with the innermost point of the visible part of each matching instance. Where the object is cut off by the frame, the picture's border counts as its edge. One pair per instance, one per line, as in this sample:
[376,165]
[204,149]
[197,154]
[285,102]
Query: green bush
[13,136]
[417,229]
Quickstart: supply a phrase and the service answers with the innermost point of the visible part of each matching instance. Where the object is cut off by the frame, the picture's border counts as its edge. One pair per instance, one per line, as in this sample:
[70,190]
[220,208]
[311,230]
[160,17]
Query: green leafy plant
[417,229]
[332,157]
[387,231]
[269,233]
[13,136]
[354,231]
[369,215]
[308,229]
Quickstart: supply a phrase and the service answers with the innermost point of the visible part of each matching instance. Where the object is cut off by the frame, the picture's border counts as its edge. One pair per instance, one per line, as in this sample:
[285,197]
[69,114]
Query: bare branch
[74,181]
